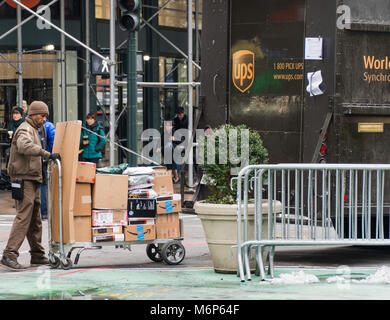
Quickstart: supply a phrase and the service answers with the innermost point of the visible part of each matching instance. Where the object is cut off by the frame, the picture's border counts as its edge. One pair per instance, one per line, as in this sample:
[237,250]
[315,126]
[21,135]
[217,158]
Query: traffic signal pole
[129,21]
[112,82]
[132,99]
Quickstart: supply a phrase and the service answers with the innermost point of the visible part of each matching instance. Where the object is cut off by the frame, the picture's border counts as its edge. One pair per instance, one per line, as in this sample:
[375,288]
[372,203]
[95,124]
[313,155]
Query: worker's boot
[12,264]
[37,261]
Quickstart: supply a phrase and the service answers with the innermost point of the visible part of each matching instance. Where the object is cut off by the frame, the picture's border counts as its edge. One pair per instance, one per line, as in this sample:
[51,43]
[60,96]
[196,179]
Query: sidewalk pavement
[107,283]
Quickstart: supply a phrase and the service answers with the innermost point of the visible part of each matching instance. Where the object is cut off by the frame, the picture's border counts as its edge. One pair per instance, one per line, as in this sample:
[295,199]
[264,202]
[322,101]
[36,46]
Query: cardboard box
[109,218]
[163,185]
[86,172]
[110,191]
[82,200]
[104,231]
[66,143]
[140,232]
[141,208]
[167,226]
[82,229]
[132,221]
[168,206]
[110,237]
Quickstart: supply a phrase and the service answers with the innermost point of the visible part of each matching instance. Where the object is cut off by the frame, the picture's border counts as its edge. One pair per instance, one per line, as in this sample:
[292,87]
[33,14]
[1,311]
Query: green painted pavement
[165,284]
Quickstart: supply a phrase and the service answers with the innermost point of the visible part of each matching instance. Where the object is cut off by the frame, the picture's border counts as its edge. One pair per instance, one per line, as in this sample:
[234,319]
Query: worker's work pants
[27,223]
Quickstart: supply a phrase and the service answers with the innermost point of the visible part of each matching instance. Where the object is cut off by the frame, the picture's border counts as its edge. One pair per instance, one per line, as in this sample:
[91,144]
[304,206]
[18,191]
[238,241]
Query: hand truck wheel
[154,252]
[173,252]
[54,261]
[66,263]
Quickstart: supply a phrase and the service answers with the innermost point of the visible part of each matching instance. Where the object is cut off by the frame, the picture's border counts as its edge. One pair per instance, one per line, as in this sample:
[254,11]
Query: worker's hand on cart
[55,156]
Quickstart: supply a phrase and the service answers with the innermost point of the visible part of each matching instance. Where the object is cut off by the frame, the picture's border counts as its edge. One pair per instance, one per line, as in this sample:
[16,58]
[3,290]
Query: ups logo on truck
[243,69]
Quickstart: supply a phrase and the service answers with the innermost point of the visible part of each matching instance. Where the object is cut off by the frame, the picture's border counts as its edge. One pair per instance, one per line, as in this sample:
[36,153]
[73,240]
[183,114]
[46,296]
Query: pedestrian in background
[180,121]
[25,108]
[16,121]
[25,170]
[91,144]
[46,134]
[168,150]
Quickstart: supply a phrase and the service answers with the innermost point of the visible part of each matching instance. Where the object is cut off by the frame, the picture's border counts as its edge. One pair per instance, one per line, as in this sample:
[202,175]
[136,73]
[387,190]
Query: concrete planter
[219,223]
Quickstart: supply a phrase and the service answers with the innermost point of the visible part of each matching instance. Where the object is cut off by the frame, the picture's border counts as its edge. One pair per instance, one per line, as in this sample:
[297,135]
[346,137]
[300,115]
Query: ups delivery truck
[312,76]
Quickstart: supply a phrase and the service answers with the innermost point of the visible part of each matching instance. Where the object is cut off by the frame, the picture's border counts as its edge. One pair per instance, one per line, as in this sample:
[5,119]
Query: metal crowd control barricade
[171,251]
[321,204]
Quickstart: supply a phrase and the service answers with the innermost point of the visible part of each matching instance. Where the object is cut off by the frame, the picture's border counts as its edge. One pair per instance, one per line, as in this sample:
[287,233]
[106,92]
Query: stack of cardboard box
[155,217]
[168,206]
[109,202]
[97,207]
[85,177]
[100,205]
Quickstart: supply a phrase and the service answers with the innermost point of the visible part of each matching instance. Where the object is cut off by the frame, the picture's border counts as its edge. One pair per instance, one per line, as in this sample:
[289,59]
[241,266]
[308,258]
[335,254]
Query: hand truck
[170,251]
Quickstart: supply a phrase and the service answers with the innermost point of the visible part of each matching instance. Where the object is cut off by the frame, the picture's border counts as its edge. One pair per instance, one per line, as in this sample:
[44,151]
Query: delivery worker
[25,170]
[91,144]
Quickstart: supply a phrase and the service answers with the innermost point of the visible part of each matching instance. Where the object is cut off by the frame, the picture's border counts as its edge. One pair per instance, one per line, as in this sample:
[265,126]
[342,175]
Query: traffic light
[130,19]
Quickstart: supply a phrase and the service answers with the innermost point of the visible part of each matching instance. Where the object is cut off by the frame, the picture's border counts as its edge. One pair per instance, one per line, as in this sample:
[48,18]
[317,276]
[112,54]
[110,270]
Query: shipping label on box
[86,172]
[110,191]
[163,185]
[107,218]
[99,231]
[168,226]
[132,221]
[111,237]
[140,232]
[169,206]
[83,200]
[175,196]
[141,208]
[160,171]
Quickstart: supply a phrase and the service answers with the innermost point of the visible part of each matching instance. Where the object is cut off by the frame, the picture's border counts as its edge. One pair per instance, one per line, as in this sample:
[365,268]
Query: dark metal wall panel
[273,31]
[364,58]
[214,52]
[320,22]
[363,83]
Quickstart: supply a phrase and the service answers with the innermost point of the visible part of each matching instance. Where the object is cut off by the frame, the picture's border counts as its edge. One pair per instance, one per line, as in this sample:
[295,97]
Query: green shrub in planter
[232,147]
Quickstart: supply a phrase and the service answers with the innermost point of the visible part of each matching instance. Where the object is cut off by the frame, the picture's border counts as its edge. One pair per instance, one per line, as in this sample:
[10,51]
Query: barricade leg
[257,270]
[271,261]
[240,265]
[260,263]
[247,265]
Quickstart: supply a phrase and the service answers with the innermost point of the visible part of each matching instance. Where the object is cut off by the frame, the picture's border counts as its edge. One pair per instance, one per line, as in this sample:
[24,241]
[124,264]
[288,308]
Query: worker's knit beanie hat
[38,107]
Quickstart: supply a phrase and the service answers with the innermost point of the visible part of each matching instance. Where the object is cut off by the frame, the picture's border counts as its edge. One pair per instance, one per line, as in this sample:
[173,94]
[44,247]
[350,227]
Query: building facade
[41,61]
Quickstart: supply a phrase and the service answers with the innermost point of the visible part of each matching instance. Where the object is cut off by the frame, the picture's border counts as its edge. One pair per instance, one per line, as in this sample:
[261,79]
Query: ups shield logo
[243,69]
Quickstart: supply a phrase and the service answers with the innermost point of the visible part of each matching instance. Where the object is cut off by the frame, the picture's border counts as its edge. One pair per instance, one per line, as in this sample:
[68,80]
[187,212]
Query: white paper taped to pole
[315,80]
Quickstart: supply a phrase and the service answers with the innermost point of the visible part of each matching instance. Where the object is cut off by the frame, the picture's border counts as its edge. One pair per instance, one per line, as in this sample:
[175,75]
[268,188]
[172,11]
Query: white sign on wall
[45,12]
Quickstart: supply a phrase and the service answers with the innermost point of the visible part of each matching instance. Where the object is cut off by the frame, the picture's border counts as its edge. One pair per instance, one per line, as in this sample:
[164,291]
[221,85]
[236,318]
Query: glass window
[102,9]
[173,70]
[175,14]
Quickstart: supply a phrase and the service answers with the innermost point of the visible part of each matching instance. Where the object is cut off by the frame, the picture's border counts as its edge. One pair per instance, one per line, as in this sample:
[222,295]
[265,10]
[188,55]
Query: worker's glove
[55,156]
